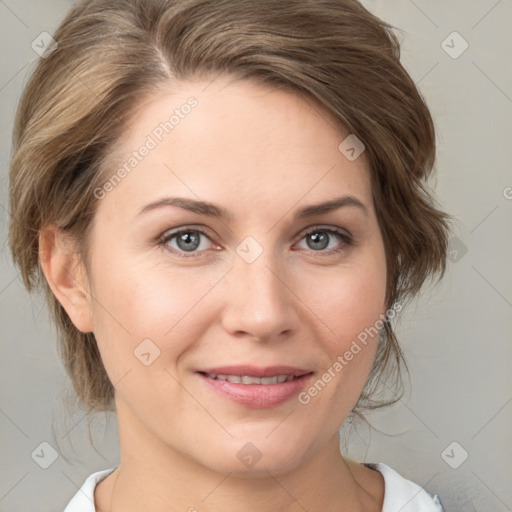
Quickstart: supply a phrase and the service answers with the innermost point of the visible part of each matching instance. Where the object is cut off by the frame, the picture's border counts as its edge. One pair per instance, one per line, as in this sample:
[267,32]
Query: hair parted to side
[112,55]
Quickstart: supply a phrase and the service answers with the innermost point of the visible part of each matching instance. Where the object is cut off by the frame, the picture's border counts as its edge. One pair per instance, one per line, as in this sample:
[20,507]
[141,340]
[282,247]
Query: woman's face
[268,284]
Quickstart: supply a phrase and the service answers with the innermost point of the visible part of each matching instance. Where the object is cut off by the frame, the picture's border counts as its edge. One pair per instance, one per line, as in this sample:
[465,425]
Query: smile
[247,379]
[256,392]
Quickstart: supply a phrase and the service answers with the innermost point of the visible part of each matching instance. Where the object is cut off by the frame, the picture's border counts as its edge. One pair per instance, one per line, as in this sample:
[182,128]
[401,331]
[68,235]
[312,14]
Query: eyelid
[320,227]
[168,235]
[345,236]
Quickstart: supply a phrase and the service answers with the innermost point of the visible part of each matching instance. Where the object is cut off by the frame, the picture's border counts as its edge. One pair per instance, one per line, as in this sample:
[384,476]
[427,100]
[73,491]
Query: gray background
[457,336]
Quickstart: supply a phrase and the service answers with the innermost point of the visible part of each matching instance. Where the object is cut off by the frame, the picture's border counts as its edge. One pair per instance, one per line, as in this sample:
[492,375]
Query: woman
[226,205]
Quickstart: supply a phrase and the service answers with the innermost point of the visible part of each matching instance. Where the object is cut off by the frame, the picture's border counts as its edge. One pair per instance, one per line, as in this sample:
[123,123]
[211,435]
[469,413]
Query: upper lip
[256,371]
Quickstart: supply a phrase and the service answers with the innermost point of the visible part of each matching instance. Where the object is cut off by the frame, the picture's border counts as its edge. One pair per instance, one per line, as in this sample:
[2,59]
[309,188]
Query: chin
[254,459]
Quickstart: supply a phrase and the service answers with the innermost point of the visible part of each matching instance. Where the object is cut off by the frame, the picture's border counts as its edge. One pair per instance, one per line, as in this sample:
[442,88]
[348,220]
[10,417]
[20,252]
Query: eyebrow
[212,210]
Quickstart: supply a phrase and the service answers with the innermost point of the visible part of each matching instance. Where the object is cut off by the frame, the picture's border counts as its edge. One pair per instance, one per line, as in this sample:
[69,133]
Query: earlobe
[66,276]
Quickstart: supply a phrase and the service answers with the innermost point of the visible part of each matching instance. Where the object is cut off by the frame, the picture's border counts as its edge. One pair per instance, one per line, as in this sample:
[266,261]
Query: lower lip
[258,396]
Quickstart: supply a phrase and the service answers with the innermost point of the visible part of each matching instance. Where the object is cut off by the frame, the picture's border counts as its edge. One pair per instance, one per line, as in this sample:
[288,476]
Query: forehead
[234,140]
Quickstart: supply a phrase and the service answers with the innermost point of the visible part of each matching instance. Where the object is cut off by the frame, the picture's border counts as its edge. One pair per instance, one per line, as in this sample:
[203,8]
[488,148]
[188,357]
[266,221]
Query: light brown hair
[114,54]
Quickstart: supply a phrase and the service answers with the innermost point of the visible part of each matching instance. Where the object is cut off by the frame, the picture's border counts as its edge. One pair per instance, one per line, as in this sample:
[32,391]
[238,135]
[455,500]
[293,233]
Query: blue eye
[187,242]
[319,238]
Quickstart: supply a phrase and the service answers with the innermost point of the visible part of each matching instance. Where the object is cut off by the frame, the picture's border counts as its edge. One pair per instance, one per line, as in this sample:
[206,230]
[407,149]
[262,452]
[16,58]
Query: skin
[262,154]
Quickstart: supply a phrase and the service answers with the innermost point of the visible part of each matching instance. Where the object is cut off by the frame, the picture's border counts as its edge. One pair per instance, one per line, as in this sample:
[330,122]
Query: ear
[66,275]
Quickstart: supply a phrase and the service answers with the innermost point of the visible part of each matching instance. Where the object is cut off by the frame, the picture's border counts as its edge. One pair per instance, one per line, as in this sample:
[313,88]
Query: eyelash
[167,237]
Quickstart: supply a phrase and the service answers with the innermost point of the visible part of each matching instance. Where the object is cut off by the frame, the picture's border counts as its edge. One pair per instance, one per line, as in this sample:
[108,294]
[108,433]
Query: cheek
[353,314]
[350,301]
[138,301]
[352,298]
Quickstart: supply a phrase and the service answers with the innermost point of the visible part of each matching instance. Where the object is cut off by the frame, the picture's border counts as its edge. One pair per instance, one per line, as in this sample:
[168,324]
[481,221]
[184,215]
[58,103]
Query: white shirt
[400,494]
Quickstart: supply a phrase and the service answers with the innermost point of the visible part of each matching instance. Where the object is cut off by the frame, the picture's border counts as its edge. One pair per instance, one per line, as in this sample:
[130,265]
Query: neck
[155,477]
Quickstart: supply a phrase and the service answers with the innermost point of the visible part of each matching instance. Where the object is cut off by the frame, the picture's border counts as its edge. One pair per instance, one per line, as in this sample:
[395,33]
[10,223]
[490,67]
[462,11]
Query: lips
[256,371]
[256,387]
[247,379]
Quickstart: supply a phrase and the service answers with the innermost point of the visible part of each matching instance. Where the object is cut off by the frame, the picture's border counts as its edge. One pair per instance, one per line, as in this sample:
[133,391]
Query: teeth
[246,379]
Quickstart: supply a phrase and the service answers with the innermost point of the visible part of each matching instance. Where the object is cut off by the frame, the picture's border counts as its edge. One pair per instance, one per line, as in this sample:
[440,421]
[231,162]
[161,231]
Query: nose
[259,302]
